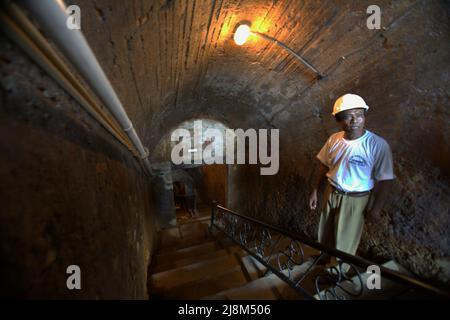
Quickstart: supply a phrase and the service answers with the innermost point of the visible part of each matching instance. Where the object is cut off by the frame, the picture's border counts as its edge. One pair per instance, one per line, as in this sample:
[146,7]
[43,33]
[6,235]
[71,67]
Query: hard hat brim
[364,107]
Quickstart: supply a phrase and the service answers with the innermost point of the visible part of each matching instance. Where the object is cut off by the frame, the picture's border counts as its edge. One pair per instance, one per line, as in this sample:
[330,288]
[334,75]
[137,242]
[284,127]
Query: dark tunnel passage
[94,177]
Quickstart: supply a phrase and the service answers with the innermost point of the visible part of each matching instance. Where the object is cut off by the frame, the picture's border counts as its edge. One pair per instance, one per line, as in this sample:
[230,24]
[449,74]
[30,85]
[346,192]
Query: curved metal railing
[295,259]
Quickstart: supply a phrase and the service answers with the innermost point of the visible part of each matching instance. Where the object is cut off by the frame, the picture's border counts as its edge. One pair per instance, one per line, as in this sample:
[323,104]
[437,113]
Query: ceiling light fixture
[241,35]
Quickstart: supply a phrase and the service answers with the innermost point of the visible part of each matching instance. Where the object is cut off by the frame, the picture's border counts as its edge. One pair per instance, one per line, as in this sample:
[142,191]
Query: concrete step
[168,263]
[216,234]
[169,237]
[225,242]
[166,255]
[256,269]
[175,277]
[208,285]
[181,243]
[192,230]
[261,289]
[200,218]
[253,267]
[183,235]
[232,248]
[270,287]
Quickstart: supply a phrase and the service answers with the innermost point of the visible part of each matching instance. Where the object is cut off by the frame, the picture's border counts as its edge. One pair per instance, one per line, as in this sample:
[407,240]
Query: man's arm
[318,183]
[378,198]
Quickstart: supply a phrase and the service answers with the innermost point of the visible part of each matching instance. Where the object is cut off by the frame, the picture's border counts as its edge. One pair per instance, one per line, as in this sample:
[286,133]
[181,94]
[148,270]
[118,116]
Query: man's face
[352,121]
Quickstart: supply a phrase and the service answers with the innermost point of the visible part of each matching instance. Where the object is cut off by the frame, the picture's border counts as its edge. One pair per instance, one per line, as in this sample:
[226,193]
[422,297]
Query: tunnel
[92,96]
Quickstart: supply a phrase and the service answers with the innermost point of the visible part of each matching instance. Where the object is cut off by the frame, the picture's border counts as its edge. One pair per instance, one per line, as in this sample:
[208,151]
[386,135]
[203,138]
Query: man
[356,171]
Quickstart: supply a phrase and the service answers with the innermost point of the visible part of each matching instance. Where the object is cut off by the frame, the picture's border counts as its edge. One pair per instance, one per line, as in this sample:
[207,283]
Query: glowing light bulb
[241,34]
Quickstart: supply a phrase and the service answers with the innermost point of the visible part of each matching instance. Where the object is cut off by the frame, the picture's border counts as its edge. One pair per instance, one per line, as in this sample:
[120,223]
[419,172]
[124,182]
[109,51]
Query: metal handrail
[395,276]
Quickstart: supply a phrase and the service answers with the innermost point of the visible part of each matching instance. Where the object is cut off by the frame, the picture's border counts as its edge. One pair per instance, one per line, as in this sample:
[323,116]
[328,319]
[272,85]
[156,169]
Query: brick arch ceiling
[176,59]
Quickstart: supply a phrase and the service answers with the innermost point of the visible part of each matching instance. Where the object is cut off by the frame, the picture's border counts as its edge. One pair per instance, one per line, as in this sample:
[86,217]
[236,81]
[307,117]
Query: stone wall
[70,195]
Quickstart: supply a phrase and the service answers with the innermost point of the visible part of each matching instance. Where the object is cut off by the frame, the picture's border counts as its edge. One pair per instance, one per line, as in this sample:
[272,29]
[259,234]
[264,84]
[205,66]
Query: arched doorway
[196,183]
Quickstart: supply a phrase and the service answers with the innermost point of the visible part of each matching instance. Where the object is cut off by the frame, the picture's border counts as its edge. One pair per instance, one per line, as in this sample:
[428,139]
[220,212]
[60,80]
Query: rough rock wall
[69,194]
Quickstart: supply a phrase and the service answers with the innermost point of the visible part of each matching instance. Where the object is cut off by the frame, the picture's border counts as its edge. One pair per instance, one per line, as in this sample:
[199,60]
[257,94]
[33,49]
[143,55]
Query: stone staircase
[195,263]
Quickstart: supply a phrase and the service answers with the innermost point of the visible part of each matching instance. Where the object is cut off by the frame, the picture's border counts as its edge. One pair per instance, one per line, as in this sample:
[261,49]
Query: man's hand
[313,200]
[377,200]
[318,184]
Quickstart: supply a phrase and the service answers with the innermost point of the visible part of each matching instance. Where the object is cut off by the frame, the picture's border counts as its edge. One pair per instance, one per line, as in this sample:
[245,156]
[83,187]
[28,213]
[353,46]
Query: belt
[350,194]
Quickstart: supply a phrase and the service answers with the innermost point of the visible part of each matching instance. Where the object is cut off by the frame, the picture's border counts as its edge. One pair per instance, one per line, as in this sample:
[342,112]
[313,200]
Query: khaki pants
[342,220]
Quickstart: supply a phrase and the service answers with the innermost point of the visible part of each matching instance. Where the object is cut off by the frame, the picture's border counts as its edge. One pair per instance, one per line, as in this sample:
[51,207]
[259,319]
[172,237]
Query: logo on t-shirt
[358,160]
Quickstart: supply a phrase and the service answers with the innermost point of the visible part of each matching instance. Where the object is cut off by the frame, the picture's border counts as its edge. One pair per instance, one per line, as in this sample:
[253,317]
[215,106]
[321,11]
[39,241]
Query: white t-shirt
[355,164]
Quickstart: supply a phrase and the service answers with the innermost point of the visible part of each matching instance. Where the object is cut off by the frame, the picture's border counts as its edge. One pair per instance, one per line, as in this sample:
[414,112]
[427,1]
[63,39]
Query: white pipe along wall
[52,17]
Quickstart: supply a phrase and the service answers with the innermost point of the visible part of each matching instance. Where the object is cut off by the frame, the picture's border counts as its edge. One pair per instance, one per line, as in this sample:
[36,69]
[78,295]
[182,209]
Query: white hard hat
[349,101]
